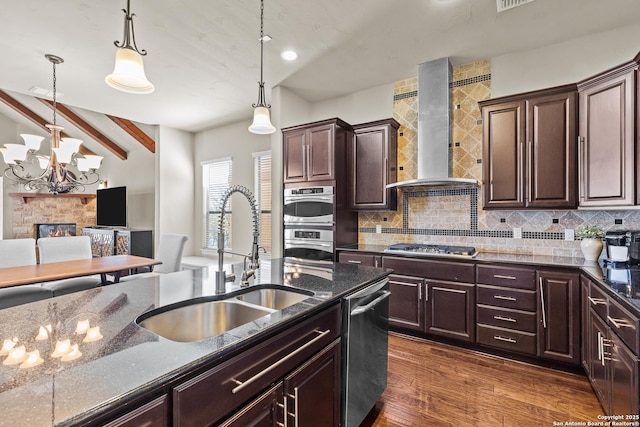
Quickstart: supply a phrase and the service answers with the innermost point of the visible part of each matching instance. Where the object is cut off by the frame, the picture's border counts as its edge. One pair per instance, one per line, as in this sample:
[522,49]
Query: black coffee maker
[617,245]
[634,247]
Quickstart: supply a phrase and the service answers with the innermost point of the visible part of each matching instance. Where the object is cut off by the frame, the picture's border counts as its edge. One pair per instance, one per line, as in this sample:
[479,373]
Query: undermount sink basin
[273,298]
[201,320]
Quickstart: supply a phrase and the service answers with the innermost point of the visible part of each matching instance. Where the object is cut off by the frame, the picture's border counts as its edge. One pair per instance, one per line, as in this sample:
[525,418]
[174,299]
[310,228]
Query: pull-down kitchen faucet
[221,275]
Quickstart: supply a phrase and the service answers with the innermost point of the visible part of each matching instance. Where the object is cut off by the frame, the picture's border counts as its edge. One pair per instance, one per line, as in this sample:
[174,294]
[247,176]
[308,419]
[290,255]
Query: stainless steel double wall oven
[309,219]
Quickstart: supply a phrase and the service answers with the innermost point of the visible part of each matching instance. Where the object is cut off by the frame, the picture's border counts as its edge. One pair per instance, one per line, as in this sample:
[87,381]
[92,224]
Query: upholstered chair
[169,252]
[17,253]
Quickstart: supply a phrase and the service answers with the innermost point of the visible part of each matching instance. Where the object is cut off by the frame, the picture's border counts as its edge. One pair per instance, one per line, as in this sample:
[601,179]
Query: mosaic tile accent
[454,216]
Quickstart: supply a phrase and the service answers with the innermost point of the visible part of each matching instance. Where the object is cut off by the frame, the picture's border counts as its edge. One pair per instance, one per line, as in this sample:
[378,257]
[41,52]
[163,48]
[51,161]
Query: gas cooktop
[427,249]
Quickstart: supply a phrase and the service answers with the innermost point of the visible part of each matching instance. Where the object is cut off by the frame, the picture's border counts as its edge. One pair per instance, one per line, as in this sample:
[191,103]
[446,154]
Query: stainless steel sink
[273,298]
[202,320]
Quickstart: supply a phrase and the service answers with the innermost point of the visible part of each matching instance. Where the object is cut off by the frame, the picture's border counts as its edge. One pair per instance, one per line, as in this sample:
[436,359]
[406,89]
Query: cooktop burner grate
[430,249]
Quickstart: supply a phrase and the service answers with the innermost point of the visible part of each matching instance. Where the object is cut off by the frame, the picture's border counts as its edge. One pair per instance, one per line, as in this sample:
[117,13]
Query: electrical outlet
[378,229]
[568,234]
[517,233]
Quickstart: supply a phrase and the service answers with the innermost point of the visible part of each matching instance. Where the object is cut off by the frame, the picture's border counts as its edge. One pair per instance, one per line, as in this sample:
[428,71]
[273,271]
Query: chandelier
[261,120]
[128,73]
[63,170]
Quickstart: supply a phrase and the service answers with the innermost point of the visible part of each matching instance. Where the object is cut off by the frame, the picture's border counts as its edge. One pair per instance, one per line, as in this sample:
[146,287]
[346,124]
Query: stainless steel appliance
[364,345]
[427,249]
[309,206]
[309,243]
[634,247]
[616,245]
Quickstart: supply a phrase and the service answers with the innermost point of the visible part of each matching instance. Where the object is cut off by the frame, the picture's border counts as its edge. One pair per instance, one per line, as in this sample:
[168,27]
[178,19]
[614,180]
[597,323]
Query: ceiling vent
[510,4]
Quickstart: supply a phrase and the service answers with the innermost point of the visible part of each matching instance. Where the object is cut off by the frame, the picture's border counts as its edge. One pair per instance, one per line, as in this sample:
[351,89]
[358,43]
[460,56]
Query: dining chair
[169,253]
[17,253]
[69,248]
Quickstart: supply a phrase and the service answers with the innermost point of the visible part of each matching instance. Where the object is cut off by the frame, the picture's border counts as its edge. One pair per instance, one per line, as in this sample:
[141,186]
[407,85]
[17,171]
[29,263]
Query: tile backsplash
[455,216]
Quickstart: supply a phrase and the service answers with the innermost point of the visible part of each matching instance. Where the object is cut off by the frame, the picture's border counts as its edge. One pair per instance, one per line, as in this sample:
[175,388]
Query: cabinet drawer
[624,324]
[503,317]
[507,339]
[239,379]
[506,298]
[360,259]
[597,300]
[438,270]
[510,277]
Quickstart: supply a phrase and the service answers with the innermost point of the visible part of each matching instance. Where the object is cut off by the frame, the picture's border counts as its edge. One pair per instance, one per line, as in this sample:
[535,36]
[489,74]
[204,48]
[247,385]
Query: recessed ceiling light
[289,55]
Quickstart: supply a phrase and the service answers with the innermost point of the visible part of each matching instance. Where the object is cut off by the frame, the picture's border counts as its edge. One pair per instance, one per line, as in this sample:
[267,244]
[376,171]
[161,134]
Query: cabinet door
[312,393]
[450,309]
[405,303]
[373,156]
[294,153]
[624,378]
[503,136]
[320,149]
[551,151]
[559,316]
[584,311]
[607,142]
[598,374]
[154,413]
[265,411]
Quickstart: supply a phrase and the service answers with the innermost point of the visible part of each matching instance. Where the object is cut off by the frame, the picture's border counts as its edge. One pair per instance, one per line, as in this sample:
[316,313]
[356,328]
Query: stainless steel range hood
[435,122]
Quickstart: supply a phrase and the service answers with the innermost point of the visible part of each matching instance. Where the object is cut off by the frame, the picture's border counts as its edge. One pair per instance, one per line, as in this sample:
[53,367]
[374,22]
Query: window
[262,167]
[216,179]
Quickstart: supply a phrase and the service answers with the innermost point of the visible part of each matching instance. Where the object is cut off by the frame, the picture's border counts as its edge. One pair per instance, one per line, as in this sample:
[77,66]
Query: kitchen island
[119,366]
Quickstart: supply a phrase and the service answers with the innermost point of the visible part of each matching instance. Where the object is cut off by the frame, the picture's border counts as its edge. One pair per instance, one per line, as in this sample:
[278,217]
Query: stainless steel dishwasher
[365,345]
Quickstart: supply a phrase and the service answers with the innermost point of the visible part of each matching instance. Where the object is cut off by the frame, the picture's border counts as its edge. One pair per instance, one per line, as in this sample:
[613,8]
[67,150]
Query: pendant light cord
[54,92]
[261,39]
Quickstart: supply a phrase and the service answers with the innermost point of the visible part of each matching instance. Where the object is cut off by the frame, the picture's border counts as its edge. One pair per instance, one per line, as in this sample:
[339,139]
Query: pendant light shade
[261,119]
[128,73]
[261,122]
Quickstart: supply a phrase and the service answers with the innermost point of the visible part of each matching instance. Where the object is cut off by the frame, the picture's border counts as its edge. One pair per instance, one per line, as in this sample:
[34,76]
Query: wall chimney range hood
[435,120]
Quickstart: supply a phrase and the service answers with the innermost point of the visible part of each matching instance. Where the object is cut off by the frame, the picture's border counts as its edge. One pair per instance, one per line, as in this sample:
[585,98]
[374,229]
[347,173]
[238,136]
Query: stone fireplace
[31,210]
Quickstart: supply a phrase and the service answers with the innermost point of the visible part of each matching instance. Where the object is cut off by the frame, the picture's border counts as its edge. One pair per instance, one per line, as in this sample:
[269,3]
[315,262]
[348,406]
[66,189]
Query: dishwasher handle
[361,309]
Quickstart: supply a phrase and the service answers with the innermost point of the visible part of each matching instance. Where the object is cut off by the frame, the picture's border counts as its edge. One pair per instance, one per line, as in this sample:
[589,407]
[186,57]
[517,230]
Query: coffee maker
[633,242]
[617,245]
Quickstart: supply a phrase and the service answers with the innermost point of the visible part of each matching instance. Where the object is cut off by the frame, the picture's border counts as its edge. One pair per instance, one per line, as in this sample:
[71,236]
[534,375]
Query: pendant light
[261,121]
[128,73]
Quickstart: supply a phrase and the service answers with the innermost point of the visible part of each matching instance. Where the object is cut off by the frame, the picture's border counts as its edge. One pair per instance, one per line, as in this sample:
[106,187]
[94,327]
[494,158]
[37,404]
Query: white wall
[8,133]
[562,63]
[174,170]
[237,142]
[371,104]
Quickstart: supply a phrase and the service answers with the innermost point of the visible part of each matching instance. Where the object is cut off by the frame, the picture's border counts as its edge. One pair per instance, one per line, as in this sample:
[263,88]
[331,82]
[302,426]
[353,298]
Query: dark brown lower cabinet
[450,309]
[559,316]
[154,413]
[308,396]
[406,307]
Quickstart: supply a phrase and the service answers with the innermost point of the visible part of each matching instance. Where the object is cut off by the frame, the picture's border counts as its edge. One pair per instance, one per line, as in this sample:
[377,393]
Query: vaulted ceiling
[203,55]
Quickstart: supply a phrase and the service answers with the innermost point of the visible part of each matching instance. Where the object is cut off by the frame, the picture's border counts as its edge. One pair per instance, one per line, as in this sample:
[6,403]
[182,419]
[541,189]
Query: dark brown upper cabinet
[607,145]
[313,152]
[529,150]
[373,156]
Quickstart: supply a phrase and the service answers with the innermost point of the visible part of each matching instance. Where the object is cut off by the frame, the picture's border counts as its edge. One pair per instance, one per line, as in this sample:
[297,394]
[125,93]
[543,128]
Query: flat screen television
[111,207]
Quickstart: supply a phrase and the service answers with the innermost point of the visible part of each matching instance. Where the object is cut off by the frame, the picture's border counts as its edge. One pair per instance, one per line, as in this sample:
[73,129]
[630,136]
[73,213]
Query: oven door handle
[361,309]
[324,199]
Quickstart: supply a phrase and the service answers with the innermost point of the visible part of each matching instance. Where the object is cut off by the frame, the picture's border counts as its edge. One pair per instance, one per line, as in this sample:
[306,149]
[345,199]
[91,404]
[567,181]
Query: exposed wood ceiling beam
[85,127]
[26,112]
[134,131]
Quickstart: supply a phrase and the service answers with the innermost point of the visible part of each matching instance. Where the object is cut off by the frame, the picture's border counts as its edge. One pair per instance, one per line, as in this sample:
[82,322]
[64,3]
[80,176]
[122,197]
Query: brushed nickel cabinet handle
[544,314]
[426,292]
[580,167]
[502,297]
[620,323]
[353,261]
[295,410]
[500,276]
[242,385]
[506,339]
[597,301]
[505,319]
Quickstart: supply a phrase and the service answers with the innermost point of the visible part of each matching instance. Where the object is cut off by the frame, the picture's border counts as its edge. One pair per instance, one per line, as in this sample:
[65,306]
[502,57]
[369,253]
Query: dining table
[38,273]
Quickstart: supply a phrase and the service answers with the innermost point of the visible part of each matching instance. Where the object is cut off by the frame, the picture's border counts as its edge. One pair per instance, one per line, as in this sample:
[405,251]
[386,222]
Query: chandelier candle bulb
[72,355]
[16,355]
[7,346]
[93,334]
[62,347]
[82,327]
[33,359]
[33,142]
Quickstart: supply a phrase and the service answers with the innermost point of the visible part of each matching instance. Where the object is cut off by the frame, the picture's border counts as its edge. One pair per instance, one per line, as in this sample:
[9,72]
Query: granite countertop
[128,359]
[620,280]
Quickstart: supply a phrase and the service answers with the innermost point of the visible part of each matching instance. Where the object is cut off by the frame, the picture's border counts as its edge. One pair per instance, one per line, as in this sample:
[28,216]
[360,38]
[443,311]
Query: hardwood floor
[432,384]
